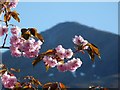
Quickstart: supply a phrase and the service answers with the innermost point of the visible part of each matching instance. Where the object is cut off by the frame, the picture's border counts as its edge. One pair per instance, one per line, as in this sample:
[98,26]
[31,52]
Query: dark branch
[4,47]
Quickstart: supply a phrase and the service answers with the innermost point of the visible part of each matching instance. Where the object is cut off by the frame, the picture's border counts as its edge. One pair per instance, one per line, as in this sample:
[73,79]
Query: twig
[4,47]
[6,34]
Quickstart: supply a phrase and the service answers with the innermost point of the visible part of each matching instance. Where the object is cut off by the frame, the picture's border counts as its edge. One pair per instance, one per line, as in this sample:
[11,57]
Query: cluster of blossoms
[62,53]
[8,80]
[12,3]
[70,65]
[20,46]
[79,41]
[3,30]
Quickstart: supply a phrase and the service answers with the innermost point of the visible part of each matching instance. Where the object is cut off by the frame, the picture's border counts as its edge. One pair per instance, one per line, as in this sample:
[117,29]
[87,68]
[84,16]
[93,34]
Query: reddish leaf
[40,37]
[7,16]
[38,59]
[15,15]
[62,86]
[36,82]
[33,31]
[49,52]
[2,71]
[50,86]
[15,70]
[24,30]
[92,51]
[26,35]
[47,67]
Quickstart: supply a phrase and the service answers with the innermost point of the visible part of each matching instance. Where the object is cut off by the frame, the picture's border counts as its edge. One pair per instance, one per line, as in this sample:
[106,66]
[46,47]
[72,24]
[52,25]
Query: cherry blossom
[63,53]
[78,40]
[72,65]
[15,30]
[8,81]
[13,3]
[68,53]
[62,67]
[28,48]
[50,61]
[3,30]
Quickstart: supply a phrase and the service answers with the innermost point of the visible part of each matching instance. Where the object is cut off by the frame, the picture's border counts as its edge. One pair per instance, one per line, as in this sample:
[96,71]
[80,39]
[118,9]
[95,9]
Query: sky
[44,15]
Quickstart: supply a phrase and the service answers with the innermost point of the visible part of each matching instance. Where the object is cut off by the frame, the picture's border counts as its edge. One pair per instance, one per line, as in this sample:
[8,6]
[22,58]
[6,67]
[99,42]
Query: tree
[27,42]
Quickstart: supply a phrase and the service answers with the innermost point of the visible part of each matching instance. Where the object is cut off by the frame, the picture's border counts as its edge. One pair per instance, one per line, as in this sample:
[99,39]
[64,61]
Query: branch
[6,34]
[5,40]
[4,47]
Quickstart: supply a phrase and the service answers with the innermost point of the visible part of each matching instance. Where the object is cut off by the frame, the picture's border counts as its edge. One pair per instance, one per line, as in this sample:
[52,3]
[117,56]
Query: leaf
[24,30]
[40,37]
[15,70]
[38,59]
[49,52]
[62,86]
[50,86]
[1,9]
[15,15]
[33,31]
[26,35]
[36,82]
[7,16]
[26,87]
[91,55]
[92,51]
[47,67]
[2,71]
[2,66]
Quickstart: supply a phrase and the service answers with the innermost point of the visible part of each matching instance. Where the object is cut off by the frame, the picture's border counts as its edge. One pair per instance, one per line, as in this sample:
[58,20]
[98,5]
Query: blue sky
[44,15]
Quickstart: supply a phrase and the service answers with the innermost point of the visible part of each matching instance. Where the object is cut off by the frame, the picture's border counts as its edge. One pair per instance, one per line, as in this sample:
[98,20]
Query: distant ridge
[88,74]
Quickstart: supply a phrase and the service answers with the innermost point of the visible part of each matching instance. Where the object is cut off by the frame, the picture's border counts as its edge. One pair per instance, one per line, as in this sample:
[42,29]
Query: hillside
[102,72]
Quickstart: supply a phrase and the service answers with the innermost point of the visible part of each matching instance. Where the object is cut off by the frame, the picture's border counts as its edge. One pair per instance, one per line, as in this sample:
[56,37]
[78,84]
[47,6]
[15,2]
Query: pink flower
[3,30]
[16,53]
[5,77]
[78,40]
[74,64]
[13,3]
[28,48]
[61,54]
[14,40]
[50,61]
[15,30]
[68,53]
[60,51]
[62,67]
[31,54]
[8,81]
[85,43]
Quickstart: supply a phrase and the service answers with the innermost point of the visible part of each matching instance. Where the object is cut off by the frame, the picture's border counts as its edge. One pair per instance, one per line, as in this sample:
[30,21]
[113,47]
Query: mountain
[103,72]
